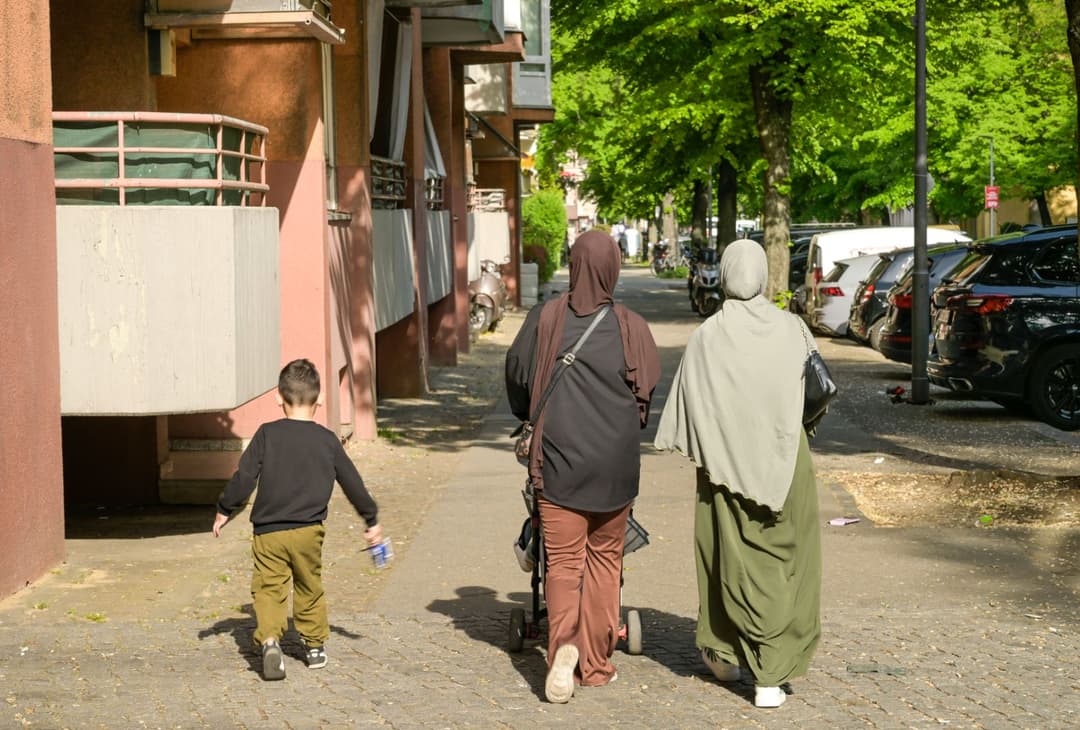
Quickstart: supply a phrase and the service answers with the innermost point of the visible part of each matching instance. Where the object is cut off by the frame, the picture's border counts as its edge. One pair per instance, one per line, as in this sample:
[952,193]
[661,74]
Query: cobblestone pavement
[924,627]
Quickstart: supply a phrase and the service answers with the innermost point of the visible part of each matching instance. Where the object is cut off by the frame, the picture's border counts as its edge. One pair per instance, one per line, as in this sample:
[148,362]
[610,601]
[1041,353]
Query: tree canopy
[813,98]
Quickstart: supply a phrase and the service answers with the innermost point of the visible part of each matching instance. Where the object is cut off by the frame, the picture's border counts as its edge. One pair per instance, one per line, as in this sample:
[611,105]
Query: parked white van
[831,246]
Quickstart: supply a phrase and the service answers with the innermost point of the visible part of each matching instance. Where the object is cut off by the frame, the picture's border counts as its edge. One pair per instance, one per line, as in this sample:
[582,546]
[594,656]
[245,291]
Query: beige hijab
[735,408]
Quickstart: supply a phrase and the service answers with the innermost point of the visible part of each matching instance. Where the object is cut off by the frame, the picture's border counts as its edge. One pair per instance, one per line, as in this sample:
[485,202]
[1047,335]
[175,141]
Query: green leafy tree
[543,227]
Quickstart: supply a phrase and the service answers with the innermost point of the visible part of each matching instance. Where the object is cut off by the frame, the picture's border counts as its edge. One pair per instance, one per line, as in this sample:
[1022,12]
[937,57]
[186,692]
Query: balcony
[167,262]
[462,25]
[221,19]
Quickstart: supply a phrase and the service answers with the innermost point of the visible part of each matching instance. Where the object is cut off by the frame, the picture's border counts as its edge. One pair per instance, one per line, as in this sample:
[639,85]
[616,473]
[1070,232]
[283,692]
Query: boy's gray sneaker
[315,657]
[273,660]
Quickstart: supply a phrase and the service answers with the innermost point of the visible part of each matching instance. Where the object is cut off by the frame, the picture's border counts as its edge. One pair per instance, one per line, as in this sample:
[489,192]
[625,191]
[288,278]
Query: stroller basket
[636,536]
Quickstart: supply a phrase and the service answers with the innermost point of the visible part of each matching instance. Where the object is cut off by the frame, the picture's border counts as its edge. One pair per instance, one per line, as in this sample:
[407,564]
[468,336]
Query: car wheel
[873,333]
[1054,388]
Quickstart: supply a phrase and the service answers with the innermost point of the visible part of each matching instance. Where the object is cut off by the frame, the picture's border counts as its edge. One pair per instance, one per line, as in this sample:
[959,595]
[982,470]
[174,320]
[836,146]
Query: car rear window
[968,266]
[943,264]
[1006,267]
[879,269]
[836,273]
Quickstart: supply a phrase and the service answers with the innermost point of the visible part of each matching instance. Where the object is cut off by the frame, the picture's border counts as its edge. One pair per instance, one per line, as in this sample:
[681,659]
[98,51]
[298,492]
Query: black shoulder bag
[819,388]
[524,432]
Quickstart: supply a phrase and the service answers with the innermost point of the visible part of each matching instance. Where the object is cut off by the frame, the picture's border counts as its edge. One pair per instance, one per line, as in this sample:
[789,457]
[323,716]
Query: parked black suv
[1006,323]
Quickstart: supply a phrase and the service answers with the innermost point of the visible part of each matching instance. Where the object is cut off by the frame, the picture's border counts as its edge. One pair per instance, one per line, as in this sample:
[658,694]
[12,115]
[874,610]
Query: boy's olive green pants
[280,558]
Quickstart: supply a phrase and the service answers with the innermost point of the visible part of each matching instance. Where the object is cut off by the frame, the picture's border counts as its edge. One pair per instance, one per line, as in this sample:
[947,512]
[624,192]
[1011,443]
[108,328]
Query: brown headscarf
[595,261]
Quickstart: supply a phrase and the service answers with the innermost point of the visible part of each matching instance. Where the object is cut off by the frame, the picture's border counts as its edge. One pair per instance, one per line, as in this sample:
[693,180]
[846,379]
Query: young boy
[295,462]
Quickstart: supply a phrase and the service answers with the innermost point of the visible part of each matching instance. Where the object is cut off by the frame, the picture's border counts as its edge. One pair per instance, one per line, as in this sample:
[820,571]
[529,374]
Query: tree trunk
[726,203]
[1072,13]
[667,215]
[699,228]
[1044,209]
[772,112]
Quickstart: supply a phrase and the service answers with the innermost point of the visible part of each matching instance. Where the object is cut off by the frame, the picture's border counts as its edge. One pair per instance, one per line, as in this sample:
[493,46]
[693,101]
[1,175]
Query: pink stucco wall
[100,56]
[276,84]
[31,476]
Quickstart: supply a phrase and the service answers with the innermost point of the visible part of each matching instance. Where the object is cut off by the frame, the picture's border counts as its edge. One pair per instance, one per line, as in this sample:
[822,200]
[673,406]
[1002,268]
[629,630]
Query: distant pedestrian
[585,460]
[295,463]
[735,410]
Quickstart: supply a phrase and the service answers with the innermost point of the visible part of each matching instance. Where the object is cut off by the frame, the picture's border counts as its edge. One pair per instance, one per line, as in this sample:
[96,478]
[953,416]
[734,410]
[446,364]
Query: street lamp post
[920,279]
[993,211]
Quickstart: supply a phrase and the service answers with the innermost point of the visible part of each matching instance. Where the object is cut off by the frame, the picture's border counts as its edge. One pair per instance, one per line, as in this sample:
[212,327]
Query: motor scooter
[660,261]
[487,298]
[705,294]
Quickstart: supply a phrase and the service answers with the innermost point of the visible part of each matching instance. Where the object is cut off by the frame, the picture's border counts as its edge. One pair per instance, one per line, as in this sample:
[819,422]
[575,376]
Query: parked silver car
[836,292]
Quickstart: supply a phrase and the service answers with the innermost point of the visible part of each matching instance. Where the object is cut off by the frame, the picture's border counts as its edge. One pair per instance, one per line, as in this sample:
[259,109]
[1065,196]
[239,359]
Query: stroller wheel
[517,629]
[633,632]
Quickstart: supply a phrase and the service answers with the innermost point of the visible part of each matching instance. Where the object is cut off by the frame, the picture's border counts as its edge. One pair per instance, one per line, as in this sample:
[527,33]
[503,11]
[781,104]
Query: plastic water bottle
[381,553]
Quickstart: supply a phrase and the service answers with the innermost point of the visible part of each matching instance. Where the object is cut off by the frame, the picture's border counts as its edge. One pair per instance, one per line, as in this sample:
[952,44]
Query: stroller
[530,547]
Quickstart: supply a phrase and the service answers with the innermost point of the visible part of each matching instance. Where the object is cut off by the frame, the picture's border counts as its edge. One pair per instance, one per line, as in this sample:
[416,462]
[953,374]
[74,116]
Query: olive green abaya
[759,576]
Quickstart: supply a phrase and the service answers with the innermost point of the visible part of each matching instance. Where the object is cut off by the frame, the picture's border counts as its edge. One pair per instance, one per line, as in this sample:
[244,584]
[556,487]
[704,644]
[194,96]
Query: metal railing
[435,193]
[488,200]
[231,168]
[387,183]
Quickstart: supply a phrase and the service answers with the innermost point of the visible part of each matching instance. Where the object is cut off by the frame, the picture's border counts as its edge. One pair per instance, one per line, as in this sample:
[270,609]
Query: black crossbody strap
[566,361]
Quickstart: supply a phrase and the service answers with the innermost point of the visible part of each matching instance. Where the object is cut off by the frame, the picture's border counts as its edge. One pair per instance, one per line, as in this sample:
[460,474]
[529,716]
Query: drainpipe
[330,142]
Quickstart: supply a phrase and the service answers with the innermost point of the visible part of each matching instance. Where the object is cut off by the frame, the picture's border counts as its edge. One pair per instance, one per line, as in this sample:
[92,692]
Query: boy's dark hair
[298,383]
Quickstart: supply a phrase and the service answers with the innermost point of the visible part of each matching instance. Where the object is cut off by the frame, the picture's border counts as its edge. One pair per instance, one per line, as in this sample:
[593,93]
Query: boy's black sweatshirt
[295,464]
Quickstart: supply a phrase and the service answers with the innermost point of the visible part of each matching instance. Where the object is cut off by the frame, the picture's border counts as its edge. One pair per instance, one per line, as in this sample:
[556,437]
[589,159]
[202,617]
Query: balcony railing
[153,158]
[435,193]
[488,200]
[387,183]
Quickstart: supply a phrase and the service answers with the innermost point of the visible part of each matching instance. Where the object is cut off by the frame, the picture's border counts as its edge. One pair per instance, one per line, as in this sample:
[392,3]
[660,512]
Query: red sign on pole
[991,196]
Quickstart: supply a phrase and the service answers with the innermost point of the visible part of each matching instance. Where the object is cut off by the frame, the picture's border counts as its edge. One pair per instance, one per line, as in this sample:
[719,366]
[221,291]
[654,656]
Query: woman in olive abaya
[735,410]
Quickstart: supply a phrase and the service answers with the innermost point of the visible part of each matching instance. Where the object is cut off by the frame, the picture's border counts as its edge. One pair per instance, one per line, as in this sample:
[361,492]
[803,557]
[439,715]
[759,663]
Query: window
[1059,262]
[531,24]
[1008,266]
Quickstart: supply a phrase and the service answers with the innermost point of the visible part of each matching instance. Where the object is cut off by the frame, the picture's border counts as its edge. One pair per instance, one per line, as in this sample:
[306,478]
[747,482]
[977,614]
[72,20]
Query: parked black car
[1006,324]
[894,337]
[870,302]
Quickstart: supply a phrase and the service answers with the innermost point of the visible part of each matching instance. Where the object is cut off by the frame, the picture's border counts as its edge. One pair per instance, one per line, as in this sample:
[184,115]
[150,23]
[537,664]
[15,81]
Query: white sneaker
[769,696]
[273,660]
[723,671]
[559,686]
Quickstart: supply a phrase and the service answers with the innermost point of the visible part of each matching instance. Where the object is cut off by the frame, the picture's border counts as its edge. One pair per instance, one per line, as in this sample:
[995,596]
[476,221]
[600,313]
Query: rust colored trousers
[581,589]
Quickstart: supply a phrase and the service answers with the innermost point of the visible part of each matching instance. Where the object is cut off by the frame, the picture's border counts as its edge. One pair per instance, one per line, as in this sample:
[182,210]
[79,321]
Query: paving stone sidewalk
[923,627]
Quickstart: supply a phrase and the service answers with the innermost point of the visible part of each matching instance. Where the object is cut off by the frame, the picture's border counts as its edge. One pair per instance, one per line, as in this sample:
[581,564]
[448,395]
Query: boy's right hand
[373,534]
[219,522]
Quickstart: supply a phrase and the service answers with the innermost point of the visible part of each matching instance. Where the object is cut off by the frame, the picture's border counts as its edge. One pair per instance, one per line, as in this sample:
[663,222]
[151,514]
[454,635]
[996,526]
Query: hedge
[543,226]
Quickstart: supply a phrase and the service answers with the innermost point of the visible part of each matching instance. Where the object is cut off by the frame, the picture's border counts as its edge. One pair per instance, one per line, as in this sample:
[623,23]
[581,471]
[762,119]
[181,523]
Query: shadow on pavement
[667,639]
[136,522]
[242,631]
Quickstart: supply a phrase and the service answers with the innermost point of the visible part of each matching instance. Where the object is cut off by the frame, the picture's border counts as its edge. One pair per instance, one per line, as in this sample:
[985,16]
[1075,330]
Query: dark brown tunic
[590,439]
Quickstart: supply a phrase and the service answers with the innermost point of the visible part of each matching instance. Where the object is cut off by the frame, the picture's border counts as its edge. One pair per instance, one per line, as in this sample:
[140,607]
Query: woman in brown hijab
[584,463]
